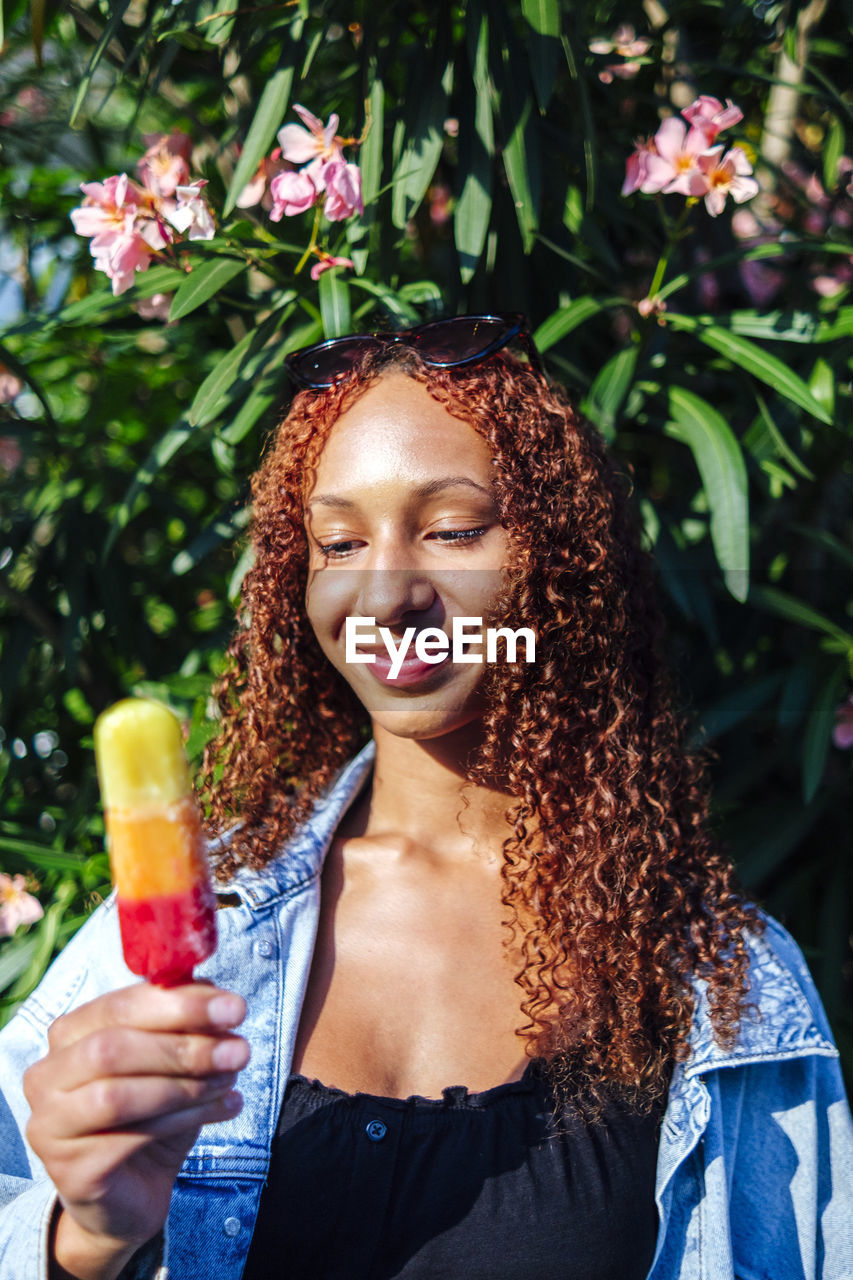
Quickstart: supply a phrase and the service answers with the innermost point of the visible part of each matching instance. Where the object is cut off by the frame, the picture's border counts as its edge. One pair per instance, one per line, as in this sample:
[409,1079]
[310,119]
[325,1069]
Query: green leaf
[16,956]
[543,19]
[608,391]
[476,148]
[218,27]
[203,283]
[370,155]
[778,326]
[395,303]
[765,835]
[224,529]
[833,147]
[37,8]
[316,40]
[590,150]
[117,12]
[564,320]
[165,449]
[822,385]
[264,394]
[29,854]
[841,326]
[268,117]
[424,140]
[758,362]
[543,16]
[520,151]
[735,707]
[778,441]
[335,303]
[829,542]
[818,731]
[723,471]
[787,606]
[586,230]
[45,936]
[210,397]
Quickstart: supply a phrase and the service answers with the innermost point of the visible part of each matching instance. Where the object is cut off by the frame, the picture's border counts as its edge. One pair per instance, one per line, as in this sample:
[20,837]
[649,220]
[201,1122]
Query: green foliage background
[127,453]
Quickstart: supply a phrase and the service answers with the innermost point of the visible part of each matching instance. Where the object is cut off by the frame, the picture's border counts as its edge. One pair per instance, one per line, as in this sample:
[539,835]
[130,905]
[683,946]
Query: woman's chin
[421,724]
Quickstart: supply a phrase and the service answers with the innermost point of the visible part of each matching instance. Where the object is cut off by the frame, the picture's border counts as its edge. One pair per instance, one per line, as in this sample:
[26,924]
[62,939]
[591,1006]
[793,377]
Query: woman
[502,1011]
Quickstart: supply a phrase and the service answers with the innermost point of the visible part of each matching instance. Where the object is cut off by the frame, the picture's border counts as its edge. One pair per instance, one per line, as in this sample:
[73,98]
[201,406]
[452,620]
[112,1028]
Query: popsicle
[166,906]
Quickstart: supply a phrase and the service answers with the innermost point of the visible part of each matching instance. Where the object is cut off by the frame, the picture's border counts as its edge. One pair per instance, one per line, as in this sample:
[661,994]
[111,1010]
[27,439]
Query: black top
[477,1186]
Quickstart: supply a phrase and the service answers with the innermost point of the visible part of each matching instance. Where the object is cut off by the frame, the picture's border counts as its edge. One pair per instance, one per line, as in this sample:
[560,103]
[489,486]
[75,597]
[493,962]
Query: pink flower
[726,177]
[10,386]
[190,213]
[316,140]
[292,193]
[637,165]
[342,184]
[842,734]
[440,204]
[326,262]
[166,164]
[120,257]
[626,44]
[16,905]
[256,190]
[711,117]
[11,454]
[107,205]
[124,228]
[674,166]
[30,104]
[652,307]
[156,307]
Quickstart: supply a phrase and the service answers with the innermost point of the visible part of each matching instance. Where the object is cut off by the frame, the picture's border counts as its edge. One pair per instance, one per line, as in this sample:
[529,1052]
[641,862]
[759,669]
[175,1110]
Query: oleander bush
[666,191]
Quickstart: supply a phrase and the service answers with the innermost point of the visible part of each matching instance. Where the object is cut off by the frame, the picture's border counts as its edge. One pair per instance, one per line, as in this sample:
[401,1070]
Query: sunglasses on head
[444,344]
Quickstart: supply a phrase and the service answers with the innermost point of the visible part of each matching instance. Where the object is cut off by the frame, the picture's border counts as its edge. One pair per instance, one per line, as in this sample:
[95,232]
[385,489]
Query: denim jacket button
[376,1130]
[231,1226]
[265,949]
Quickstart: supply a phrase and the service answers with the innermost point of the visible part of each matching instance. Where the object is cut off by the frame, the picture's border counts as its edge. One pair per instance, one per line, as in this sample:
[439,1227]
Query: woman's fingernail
[227,1010]
[230,1055]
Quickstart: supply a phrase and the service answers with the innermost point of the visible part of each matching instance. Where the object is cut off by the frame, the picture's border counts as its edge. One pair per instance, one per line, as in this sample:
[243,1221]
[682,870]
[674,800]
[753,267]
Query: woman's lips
[411,670]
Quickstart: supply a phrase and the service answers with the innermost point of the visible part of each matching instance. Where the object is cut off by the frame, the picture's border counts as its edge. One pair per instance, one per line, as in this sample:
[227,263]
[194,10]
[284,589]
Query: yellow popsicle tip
[139,752]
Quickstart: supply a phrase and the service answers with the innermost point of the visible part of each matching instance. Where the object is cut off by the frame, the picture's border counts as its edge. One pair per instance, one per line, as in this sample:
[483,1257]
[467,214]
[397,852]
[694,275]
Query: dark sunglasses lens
[321,366]
[454,341]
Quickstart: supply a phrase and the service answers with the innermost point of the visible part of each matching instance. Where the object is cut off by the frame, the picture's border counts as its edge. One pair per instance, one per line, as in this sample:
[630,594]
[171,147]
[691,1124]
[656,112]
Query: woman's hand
[128,1081]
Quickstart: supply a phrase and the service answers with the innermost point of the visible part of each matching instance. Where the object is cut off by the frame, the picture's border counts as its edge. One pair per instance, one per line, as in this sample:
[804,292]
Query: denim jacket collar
[302,857]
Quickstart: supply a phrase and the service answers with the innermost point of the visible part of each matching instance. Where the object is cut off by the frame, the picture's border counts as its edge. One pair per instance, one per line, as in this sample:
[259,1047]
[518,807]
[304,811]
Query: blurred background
[689,281]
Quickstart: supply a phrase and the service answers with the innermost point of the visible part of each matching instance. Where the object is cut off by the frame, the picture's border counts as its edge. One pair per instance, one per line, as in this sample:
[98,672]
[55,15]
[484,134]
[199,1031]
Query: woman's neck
[420,800]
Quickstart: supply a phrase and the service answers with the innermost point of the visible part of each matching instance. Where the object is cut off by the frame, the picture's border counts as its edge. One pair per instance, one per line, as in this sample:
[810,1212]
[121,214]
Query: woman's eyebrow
[426,490]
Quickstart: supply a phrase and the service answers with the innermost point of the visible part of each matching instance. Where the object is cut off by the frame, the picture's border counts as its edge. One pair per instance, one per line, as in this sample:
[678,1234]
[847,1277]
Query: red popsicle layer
[163,937]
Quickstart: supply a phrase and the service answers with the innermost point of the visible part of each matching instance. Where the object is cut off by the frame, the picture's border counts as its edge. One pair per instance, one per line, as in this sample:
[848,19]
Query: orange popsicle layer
[155,852]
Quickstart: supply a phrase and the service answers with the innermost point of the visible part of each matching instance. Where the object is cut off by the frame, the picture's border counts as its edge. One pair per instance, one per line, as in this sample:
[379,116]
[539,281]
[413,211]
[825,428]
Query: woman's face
[403,529]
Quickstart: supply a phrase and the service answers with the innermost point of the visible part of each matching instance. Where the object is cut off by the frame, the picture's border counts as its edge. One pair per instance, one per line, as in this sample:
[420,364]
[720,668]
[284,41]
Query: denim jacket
[755,1164]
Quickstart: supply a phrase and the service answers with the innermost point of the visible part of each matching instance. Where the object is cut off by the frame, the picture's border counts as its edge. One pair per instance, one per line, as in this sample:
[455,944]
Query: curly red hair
[614,889]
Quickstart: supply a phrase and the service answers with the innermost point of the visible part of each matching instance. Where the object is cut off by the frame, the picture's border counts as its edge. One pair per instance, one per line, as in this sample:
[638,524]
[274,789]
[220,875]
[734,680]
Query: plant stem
[674,233]
[313,245]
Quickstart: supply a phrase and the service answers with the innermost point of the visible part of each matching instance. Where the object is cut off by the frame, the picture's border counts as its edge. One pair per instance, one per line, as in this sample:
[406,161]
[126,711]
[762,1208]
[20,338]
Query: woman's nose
[388,595]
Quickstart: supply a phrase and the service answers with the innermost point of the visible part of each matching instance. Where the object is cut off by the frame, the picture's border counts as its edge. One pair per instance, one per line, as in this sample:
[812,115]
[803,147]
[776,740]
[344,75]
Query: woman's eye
[459,535]
[334,550]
